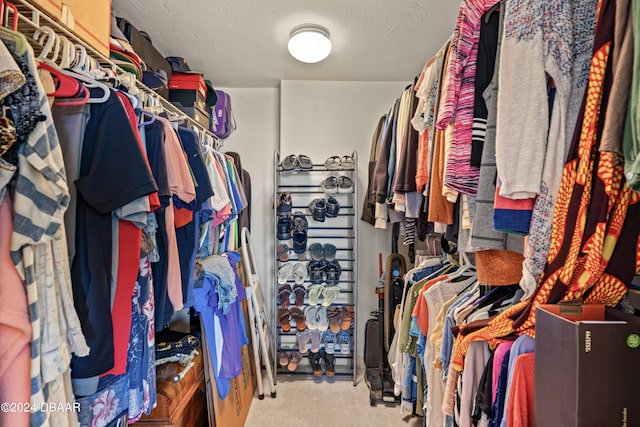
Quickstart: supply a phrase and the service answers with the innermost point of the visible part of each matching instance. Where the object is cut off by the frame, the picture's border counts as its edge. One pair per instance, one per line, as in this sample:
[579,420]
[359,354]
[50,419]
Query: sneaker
[329,252]
[315,250]
[344,340]
[329,340]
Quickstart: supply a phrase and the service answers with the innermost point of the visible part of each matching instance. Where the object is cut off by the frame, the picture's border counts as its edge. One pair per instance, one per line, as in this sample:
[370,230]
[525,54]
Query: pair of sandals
[299,162]
[290,360]
[285,291]
[326,252]
[337,162]
[316,318]
[340,318]
[297,272]
[295,314]
[341,184]
[329,294]
[309,341]
[299,228]
[327,272]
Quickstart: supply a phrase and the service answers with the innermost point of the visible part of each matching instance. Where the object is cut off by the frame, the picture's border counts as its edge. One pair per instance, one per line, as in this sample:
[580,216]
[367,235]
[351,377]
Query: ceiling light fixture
[309,43]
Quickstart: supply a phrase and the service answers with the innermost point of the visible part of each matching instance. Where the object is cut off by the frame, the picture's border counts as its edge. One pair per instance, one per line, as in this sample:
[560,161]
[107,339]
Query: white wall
[257,113]
[325,118]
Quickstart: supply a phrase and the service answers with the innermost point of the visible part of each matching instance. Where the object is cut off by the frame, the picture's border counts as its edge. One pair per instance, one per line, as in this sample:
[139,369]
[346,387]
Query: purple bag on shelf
[222,120]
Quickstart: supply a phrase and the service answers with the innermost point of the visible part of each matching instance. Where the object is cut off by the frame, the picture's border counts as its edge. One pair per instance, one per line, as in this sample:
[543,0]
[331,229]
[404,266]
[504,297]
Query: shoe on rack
[330,185]
[311,314]
[304,162]
[329,363]
[299,291]
[283,228]
[284,358]
[284,292]
[283,252]
[284,317]
[283,204]
[289,163]
[315,250]
[318,209]
[347,317]
[334,315]
[332,163]
[332,271]
[347,163]
[333,207]
[298,317]
[294,360]
[330,293]
[315,341]
[300,226]
[329,252]
[299,273]
[314,293]
[316,272]
[322,323]
[314,360]
[304,340]
[344,340]
[285,272]
[345,184]
[329,340]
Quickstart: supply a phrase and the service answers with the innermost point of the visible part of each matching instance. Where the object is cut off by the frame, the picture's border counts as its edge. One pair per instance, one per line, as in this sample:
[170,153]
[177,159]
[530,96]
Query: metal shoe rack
[304,186]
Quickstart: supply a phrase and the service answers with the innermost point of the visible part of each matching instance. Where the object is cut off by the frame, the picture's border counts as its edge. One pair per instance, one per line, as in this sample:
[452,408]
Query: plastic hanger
[76,101]
[11,7]
[152,118]
[91,83]
[18,40]
[66,86]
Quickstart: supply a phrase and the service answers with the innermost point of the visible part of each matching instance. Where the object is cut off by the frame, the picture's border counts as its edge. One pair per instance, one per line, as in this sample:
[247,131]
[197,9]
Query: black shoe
[329,363]
[299,230]
[314,360]
[283,204]
[318,209]
[332,270]
[316,272]
[333,207]
[284,228]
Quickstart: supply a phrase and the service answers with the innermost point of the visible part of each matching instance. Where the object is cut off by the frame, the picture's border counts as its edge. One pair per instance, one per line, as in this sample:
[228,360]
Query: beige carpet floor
[319,402]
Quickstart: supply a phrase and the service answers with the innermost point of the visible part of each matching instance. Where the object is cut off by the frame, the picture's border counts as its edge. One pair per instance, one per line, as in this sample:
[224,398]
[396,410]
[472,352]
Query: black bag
[372,344]
[141,44]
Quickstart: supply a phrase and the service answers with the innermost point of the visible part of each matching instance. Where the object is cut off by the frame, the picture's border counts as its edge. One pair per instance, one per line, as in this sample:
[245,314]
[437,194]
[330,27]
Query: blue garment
[447,336]
[205,300]
[524,344]
[218,266]
[500,403]
[141,368]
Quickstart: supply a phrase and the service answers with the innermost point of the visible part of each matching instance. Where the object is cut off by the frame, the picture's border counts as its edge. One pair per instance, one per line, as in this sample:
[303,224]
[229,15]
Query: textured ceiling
[243,43]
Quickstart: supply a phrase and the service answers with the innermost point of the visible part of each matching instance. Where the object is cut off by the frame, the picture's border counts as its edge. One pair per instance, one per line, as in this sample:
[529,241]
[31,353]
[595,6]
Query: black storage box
[203,117]
[187,98]
[586,367]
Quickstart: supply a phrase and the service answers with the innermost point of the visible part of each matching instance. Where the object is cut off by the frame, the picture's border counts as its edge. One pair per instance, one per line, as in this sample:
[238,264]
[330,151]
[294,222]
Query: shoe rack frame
[305,186]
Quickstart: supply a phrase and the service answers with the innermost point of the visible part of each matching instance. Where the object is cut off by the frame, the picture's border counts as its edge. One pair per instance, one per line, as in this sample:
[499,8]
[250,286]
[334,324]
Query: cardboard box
[234,409]
[89,20]
[586,367]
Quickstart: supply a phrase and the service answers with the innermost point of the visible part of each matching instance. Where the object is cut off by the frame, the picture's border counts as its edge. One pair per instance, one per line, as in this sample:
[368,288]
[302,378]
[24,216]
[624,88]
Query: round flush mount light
[309,43]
